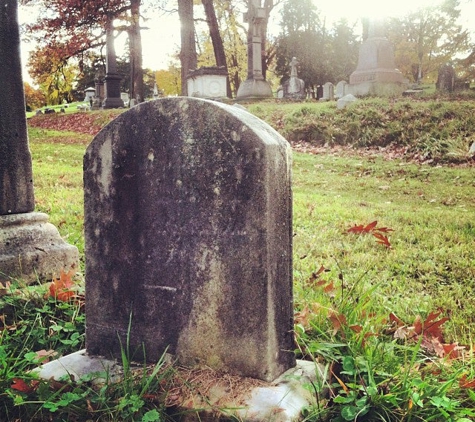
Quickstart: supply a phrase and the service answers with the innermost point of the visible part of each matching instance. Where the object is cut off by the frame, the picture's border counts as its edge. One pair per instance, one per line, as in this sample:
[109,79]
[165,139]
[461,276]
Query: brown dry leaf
[44,356]
[4,288]
[303,317]
[337,320]
[463,383]
[61,288]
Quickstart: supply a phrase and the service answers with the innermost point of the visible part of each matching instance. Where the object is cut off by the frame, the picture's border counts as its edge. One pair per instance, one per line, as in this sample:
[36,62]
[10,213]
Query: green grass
[342,314]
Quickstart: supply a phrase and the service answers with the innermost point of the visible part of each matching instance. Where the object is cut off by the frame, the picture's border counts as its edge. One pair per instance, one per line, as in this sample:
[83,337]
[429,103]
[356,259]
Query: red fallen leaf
[453,351]
[384,230]
[418,325]
[337,320]
[463,383]
[431,327]
[61,288]
[321,283]
[382,239]
[20,385]
[356,229]
[393,318]
[329,288]
[356,328]
[370,227]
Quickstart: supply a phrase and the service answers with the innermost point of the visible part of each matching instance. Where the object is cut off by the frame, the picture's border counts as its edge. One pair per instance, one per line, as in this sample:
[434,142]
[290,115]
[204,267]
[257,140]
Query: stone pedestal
[254,88]
[112,91]
[31,248]
[207,82]
[376,73]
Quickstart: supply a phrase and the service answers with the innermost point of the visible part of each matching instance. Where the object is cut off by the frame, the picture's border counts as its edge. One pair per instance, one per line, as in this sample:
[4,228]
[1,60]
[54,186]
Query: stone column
[112,79]
[30,247]
[16,181]
[254,86]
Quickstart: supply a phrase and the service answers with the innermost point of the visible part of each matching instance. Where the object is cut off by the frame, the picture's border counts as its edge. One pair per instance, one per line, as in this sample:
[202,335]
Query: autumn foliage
[377,232]
[63,288]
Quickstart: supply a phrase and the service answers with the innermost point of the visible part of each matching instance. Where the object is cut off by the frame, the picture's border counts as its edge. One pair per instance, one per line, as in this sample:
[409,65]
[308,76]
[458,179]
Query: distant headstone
[30,247]
[376,73]
[446,78]
[345,101]
[341,89]
[125,98]
[155,91]
[328,92]
[294,88]
[188,235]
[208,82]
[471,150]
[89,94]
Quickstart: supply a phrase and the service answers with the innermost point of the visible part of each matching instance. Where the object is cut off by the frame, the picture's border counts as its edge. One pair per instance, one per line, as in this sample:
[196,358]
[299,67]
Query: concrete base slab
[204,395]
[32,249]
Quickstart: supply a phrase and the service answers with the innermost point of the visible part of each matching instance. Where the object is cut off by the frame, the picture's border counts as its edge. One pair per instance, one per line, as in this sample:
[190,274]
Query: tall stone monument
[188,233]
[112,79]
[376,73]
[30,247]
[254,86]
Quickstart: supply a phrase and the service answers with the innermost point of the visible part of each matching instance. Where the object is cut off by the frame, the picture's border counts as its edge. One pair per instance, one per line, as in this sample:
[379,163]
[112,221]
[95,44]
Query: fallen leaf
[20,385]
[382,239]
[337,320]
[463,383]
[61,288]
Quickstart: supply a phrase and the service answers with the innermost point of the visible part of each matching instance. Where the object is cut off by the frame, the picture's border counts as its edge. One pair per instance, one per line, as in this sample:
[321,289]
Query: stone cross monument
[254,86]
[30,247]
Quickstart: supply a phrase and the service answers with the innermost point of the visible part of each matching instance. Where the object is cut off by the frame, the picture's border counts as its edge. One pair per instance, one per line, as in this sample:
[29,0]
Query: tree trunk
[135,44]
[188,57]
[216,39]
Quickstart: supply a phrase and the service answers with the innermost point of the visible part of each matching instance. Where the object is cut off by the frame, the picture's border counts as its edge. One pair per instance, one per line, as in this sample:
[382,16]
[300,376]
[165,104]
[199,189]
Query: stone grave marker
[341,89]
[188,233]
[328,92]
[446,78]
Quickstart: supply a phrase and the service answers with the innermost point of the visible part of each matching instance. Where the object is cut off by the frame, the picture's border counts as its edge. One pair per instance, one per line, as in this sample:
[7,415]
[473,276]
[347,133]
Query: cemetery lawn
[384,275]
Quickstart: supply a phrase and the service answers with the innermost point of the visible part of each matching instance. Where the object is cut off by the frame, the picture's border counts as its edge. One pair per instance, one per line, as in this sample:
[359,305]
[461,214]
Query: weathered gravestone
[188,236]
[341,89]
[328,92]
[446,78]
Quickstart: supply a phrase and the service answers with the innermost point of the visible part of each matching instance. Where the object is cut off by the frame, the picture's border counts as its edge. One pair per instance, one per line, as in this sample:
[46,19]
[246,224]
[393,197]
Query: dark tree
[216,39]
[188,57]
